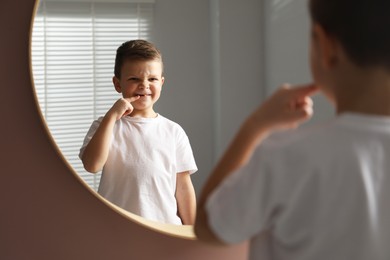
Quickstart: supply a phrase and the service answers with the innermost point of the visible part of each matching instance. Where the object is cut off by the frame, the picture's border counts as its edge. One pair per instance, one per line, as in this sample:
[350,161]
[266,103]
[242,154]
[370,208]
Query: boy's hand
[286,108]
[122,107]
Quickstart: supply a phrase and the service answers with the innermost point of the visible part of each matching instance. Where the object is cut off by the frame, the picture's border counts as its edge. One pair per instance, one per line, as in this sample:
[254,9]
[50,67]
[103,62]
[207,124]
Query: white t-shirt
[314,193]
[144,158]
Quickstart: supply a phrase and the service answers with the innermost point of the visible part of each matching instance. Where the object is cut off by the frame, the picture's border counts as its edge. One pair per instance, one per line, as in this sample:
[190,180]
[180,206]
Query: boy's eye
[153,79]
[132,79]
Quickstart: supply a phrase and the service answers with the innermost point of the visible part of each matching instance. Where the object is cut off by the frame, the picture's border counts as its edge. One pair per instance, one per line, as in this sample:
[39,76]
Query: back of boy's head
[361,26]
[135,50]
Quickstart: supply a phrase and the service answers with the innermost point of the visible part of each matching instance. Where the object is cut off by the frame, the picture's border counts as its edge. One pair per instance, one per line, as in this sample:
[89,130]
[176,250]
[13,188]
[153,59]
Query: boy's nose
[144,84]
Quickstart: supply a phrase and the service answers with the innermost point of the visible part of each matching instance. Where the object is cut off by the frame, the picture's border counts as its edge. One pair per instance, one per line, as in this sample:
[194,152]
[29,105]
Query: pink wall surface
[46,212]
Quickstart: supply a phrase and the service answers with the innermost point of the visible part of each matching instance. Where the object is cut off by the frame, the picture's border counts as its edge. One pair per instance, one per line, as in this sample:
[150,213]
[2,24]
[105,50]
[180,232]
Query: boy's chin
[143,113]
[142,108]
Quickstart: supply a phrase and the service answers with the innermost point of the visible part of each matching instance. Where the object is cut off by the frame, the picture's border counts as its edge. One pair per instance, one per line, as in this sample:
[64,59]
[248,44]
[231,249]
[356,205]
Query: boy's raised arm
[286,108]
[95,154]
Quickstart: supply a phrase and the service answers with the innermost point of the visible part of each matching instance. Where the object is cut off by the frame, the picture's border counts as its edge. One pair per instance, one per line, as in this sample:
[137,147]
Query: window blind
[73,51]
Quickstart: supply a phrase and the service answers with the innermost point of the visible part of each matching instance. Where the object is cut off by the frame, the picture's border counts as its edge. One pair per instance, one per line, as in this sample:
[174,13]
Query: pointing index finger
[304,90]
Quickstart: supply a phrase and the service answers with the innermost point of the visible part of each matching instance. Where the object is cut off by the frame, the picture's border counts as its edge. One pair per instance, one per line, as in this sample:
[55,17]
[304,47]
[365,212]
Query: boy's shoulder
[168,122]
[300,136]
[295,152]
[337,133]
[307,139]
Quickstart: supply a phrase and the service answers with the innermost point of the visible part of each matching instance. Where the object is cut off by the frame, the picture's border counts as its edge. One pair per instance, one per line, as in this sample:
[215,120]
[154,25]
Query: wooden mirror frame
[46,211]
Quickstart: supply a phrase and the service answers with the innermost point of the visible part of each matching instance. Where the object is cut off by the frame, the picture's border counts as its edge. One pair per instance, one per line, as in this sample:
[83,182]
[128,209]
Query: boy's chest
[144,142]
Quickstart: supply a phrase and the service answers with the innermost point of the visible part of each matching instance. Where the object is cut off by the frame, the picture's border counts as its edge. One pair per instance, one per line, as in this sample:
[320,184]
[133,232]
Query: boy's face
[144,79]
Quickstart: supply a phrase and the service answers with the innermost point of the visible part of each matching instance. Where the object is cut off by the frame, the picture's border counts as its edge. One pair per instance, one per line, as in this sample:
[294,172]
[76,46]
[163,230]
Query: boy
[319,192]
[146,158]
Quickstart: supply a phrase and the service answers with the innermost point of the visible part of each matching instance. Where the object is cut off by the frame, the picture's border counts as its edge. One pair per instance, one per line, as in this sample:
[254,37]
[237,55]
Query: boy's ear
[162,81]
[327,47]
[117,84]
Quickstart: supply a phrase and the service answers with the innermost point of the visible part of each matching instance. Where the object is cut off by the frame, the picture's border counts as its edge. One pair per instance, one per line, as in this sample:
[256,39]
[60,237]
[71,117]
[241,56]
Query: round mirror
[74,44]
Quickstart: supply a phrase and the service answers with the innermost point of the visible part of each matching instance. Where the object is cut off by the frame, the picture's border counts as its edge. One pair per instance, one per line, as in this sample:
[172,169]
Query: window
[73,51]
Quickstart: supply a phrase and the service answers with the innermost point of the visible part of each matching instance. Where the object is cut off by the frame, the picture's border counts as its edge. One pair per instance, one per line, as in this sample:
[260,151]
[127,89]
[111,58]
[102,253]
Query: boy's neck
[143,113]
[367,92]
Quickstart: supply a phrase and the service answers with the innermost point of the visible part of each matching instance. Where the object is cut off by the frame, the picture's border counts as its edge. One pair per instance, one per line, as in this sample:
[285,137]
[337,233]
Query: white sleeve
[90,134]
[185,160]
[242,205]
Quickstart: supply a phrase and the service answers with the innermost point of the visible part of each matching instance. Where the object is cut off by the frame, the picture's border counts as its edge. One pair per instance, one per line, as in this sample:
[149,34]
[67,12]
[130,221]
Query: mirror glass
[73,52]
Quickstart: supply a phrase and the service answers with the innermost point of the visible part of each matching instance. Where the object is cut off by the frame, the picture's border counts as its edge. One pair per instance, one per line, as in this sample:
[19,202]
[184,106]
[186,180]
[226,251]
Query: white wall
[212,53]
[241,58]
[182,34]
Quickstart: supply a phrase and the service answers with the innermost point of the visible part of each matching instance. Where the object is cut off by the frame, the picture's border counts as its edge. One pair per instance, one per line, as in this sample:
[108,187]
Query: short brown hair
[361,26]
[135,50]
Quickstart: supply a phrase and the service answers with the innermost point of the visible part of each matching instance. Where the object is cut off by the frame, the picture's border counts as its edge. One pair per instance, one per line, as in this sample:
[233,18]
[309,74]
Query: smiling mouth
[143,95]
